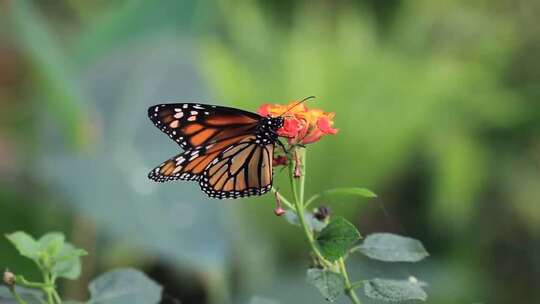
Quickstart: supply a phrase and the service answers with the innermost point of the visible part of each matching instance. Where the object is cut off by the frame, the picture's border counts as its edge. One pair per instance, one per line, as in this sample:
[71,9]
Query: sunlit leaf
[68,262]
[336,238]
[25,244]
[330,284]
[332,194]
[52,243]
[61,93]
[394,290]
[124,286]
[392,248]
[362,192]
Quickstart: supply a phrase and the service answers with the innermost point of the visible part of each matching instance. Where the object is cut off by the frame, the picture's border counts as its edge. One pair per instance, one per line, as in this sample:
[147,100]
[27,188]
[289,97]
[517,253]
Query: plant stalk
[15,294]
[297,186]
[299,206]
[301,157]
[349,289]
[49,291]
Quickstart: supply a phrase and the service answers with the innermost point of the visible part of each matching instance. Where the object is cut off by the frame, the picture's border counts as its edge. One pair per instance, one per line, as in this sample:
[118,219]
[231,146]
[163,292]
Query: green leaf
[31,296]
[62,95]
[394,290]
[124,286]
[336,238]
[330,284]
[25,244]
[362,192]
[336,192]
[389,247]
[51,243]
[67,263]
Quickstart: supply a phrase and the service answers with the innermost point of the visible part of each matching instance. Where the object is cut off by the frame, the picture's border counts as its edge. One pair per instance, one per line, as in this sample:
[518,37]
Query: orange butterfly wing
[191,164]
[243,169]
[193,125]
[203,131]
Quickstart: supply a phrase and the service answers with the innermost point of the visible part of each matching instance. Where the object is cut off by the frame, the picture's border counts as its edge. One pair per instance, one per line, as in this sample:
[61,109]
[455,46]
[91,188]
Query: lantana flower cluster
[302,125]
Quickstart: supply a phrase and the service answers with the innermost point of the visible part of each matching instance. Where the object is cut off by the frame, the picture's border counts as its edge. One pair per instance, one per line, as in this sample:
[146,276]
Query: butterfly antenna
[296,104]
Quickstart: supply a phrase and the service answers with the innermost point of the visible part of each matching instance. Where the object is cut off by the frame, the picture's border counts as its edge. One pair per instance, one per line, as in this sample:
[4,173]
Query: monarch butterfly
[228,151]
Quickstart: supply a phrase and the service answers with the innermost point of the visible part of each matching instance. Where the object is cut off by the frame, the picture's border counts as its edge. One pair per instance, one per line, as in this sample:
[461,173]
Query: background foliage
[437,103]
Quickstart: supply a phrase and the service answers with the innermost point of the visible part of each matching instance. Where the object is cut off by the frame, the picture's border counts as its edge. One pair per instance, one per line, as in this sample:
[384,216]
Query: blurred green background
[437,104]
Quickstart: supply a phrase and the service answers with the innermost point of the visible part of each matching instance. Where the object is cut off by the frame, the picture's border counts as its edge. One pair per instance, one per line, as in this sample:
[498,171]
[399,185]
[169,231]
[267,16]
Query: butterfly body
[228,151]
[266,132]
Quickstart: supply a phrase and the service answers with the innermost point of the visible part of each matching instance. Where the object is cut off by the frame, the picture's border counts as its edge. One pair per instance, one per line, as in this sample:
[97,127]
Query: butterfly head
[277,122]
[268,126]
[272,123]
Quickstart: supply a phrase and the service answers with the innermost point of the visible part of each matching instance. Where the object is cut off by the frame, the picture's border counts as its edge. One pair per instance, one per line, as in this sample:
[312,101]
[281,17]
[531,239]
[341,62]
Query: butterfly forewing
[193,125]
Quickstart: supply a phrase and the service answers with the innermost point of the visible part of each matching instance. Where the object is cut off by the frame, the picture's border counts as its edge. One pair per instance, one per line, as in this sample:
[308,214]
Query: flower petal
[324,124]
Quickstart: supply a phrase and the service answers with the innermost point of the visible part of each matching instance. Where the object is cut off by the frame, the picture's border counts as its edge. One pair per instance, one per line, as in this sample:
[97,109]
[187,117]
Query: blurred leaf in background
[437,105]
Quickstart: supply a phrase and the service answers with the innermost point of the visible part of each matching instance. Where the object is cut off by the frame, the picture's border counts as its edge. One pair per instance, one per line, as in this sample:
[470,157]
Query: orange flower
[302,125]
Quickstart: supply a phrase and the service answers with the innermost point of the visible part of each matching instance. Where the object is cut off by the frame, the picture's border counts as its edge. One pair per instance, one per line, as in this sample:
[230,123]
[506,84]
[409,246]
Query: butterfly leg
[282,146]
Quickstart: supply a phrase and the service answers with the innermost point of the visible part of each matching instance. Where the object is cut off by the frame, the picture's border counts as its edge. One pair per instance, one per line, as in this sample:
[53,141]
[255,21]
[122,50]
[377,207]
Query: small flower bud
[9,278]
[280,160]
[297,166]
[322,213]
[278,211]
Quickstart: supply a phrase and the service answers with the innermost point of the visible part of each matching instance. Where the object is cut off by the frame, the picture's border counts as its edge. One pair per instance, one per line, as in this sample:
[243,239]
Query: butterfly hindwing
[243,169]
[185,166]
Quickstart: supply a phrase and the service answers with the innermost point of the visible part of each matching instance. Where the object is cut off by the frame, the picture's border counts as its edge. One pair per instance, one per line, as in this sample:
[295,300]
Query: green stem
[56,297]
[301,154]
[297,186]
[15,294]
[36,285]
[312,199]
[49,288]
[299,207]
[357,284]
[349,289]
